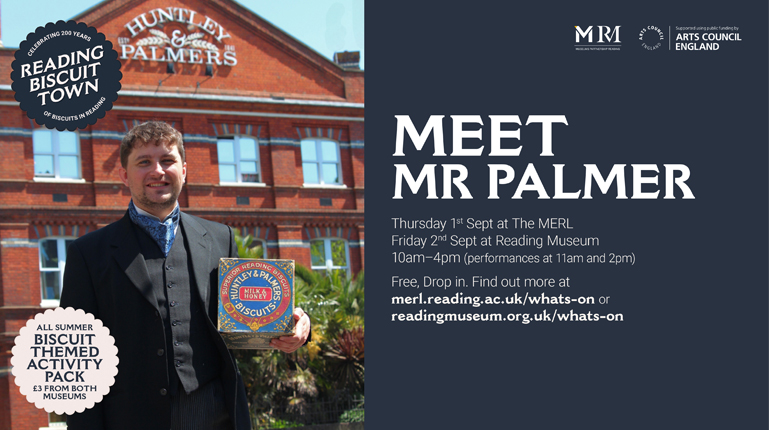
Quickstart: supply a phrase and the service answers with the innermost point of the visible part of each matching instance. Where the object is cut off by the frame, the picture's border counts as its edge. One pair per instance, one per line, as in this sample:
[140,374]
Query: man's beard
[144,202]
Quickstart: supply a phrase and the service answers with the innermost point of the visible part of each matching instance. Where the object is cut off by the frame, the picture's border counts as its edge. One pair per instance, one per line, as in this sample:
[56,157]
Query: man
[152,279]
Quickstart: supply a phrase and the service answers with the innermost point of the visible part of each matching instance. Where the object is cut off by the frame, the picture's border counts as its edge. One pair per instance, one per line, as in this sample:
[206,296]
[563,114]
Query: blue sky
[327,26]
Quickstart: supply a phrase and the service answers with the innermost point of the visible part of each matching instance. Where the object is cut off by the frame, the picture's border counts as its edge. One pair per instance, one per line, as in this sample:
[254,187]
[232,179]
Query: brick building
[274,140]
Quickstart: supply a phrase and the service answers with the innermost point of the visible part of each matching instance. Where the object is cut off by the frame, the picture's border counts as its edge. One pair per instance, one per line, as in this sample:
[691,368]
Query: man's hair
[156,132]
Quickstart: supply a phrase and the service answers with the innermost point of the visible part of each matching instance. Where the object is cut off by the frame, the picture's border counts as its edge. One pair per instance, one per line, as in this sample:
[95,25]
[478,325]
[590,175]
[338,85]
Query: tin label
[255,293]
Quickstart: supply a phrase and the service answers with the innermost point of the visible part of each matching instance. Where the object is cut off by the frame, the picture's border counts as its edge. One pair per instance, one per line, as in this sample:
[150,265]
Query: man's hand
[301,332]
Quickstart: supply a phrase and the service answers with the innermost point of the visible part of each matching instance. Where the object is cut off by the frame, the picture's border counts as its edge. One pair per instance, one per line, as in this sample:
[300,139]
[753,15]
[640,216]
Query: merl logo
[176,35]
[598,34]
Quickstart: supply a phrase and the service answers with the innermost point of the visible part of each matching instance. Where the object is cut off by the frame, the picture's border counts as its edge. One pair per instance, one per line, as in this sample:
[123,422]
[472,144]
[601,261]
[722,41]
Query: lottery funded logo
[66,75]
[255,294]
[64,361]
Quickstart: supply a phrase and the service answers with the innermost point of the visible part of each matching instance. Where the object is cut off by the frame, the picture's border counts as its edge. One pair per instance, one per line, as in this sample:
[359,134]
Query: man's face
[154,174]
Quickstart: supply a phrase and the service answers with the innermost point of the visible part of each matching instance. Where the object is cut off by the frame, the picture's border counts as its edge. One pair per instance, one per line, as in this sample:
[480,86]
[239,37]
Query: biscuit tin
[256,301]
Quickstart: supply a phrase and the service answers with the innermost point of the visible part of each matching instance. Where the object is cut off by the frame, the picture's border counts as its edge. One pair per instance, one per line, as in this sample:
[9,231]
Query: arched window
[330,255]
[238,160]
[260,244]
[53,256]
[250,246]
[321,162]
[57,154]
[258,249]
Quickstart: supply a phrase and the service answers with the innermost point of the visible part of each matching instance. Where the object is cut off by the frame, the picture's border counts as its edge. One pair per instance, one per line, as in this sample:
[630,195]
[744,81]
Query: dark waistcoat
[191,354]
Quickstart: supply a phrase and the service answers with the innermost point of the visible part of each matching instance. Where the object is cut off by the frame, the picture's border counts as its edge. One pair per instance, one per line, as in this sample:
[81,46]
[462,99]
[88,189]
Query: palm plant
[346,354]
[279,385]
[333,300]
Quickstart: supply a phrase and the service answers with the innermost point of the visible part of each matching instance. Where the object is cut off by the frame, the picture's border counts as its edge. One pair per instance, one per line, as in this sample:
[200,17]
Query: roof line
[225,98]
[237,113]
[221,112]
[237,11]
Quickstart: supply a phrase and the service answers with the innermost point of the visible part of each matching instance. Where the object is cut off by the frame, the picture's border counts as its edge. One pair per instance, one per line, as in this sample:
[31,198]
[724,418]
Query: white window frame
[61,252]
[319,162]
[56,153]
[237,163]
[263,244]
[329,263]
[255,241]
[59,425]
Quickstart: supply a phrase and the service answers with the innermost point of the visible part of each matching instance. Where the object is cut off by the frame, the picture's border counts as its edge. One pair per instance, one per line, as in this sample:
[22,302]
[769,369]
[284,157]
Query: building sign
[177,35]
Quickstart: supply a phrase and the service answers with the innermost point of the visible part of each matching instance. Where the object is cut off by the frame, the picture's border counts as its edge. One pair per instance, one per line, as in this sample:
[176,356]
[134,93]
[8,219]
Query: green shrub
[352,416]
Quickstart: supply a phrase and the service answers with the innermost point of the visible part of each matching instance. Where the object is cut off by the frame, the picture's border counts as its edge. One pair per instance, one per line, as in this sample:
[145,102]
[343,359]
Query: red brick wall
[21,270]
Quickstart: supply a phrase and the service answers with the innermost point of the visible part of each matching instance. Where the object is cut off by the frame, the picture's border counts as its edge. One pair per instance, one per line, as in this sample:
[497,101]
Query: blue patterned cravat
[161,232]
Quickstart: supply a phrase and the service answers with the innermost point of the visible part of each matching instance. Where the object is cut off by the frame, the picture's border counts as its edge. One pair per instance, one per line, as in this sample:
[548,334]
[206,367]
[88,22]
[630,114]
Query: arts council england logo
[651,37]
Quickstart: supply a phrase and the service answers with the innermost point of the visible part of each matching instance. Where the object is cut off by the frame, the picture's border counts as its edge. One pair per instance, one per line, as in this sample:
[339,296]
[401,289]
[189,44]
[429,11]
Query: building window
[249,246]
[57,154]
[260,248]
[329,255]
[321,162]
[255,248]
[53,256]
[238,160]
[57,421]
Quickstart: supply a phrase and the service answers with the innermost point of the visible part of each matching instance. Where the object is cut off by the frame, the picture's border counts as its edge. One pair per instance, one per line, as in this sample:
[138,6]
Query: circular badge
[651,37]
[66,75]
[64,361]
[255,294]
